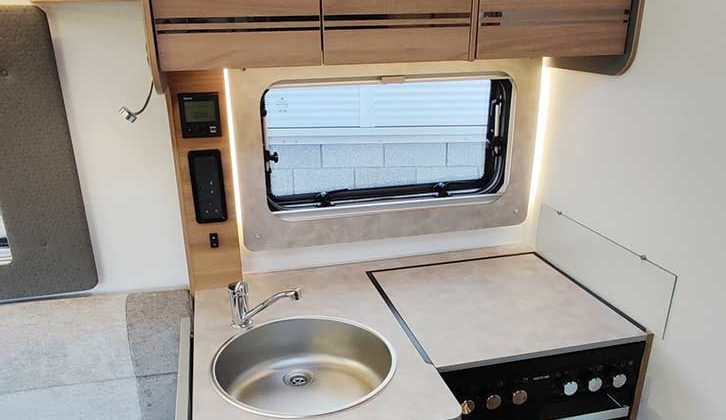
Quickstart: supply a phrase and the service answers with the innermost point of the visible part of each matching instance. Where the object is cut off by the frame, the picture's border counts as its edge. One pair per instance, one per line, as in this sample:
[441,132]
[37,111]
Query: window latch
[324,198]
[497,146]
[271,157]
[495,139]
[441,190]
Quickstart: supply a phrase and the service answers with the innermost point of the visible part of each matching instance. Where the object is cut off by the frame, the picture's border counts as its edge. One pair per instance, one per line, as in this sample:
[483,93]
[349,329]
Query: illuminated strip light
[542,119]
[233,151]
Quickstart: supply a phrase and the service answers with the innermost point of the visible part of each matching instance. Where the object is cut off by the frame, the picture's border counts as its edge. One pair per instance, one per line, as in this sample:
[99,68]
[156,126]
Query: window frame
[491,184]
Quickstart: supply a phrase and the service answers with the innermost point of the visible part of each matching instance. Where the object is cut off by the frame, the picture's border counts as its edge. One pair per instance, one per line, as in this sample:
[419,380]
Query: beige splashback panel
[264,230]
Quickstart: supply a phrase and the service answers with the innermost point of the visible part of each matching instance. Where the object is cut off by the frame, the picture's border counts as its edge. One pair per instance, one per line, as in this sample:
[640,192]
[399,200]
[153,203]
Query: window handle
[271,157]
[441,190]
[494,131]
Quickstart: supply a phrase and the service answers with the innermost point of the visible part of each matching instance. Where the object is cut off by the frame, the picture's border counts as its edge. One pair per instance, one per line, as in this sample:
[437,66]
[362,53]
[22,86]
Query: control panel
[553,387]
[210,205]
[199,115]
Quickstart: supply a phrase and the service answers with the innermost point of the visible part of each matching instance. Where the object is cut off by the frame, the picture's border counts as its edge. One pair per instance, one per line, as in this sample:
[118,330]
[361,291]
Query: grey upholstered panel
[40,194]
[153,329]
[157,396]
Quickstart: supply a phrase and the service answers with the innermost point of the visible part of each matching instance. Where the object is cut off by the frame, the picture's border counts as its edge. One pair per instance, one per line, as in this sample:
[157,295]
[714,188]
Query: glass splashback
[627,279]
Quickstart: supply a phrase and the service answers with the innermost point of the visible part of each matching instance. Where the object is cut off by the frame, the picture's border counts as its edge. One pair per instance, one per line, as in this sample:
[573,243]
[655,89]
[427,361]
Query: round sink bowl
[303,367]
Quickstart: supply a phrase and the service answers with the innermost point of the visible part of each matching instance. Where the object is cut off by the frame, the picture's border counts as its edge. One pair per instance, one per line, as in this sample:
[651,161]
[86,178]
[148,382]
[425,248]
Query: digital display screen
[200,111]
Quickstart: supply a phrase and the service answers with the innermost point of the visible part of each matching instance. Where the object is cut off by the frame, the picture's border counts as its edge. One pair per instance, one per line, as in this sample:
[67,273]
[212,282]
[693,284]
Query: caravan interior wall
[639,158]
[126,171]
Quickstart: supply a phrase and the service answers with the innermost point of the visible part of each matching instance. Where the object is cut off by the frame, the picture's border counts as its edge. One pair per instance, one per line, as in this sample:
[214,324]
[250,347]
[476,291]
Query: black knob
[467,407]
[519,397]
[594,384]
[272,157]
[494,401]
[569,388]
[619,380]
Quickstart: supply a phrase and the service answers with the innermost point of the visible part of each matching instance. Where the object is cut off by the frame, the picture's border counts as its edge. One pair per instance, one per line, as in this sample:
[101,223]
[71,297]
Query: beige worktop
[416,391]
[501,310]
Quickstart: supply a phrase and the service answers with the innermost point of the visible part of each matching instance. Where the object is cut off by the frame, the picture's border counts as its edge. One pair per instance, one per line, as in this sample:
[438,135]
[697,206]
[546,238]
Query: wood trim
[396,22]
[162,27]
[474,29]
[76,1]
[208,267]
[579,39]
[219,50]
[218,34]
[608,65]
[641,377]
[164,9]
[558,6]
[366,7]
[389,31]
[151,52]
[552,28]
[396,44]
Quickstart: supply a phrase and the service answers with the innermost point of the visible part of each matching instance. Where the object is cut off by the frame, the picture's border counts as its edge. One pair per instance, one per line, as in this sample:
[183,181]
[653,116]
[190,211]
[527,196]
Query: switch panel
[205,167]
[214,240]
[199,114]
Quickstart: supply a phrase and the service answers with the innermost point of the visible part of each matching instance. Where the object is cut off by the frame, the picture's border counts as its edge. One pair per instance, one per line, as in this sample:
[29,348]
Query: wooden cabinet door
[384,31]
[552,28]
[209,34]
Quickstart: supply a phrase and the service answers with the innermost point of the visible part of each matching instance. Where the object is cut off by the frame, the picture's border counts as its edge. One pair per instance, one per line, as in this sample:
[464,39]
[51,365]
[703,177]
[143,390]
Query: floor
[111,357]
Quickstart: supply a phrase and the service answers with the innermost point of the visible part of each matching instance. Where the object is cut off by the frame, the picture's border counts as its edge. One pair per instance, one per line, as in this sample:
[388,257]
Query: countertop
[500,310]
[416,392]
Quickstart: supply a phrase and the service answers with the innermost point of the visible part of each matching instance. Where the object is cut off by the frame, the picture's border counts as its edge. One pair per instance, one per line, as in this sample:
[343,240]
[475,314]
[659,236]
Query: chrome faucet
[239,300]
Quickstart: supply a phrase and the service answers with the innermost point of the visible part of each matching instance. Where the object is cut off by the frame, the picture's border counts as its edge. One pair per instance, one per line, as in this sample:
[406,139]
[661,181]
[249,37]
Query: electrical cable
[132,116]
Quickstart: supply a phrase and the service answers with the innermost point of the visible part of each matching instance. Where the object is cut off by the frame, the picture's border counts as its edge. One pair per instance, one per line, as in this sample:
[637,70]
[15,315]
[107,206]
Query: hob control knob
[594,384]
[467,407]
[619,380]
[519,397]
[570,388]
[494,401]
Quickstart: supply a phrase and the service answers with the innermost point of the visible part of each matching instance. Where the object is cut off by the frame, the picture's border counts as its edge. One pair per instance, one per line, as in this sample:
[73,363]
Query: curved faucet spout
[239,300]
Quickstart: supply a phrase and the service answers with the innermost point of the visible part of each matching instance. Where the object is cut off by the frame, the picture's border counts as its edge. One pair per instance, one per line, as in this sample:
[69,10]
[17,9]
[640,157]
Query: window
[342,144]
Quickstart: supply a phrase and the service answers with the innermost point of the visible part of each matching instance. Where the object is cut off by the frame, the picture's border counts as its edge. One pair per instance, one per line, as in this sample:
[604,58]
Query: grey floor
[103,357]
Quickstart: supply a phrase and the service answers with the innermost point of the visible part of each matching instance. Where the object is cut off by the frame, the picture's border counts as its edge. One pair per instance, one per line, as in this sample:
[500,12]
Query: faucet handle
[238,288]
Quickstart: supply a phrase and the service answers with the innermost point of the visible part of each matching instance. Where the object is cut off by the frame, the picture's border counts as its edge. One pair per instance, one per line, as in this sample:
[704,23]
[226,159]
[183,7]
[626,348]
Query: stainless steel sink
[303,367]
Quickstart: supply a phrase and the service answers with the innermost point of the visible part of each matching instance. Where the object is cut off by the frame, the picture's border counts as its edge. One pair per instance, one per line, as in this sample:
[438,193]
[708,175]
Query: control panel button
[595,384]
[494,401]
[570,388]
[467,407]
[519,397]
[619,380]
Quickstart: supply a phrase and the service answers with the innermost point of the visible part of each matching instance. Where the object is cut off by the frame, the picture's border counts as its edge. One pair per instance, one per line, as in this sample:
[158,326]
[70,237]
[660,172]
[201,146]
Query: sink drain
[298,378]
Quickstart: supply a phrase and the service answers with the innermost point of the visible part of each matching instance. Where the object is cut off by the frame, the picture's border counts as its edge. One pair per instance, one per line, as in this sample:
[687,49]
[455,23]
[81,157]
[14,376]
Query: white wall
[126,171]
[641,158]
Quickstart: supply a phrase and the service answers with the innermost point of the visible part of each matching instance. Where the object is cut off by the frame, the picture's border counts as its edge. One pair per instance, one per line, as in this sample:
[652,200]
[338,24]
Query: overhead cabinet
[383,31]
[209,34]
[213,34]
[552,28]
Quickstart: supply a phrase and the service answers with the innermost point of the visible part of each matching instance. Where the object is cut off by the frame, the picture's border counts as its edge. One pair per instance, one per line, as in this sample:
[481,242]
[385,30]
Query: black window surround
[491,182]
